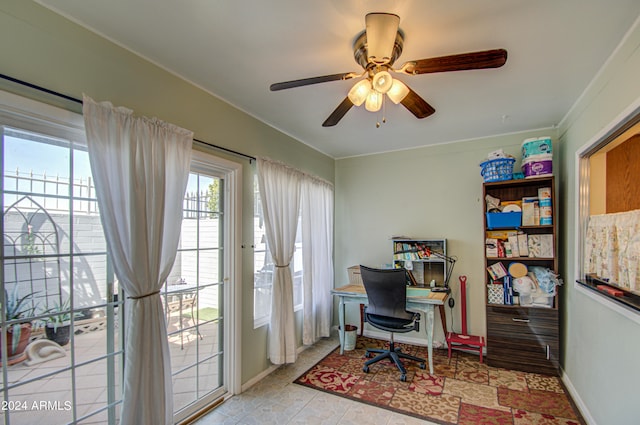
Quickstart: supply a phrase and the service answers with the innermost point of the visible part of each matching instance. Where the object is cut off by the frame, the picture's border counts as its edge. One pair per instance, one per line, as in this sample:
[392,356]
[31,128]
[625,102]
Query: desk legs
[429,328]
[341,329]
[443,319]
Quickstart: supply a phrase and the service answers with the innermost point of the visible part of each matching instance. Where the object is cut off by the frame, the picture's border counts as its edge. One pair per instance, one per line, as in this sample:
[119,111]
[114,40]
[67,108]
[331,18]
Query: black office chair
[387,310]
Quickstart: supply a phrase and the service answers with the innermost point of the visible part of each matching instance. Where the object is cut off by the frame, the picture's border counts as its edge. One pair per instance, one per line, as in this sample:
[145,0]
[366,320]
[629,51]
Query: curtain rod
[76,100]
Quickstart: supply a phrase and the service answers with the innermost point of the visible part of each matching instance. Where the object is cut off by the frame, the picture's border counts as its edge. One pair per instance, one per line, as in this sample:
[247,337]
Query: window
[263,266]
[608,249]
[57,281]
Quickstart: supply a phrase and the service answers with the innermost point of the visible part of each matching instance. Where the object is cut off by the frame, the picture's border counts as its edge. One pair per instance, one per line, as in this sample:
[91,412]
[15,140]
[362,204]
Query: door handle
[515,319]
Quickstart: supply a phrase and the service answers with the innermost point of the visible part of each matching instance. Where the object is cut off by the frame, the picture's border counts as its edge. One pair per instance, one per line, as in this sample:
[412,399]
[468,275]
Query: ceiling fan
[376,49]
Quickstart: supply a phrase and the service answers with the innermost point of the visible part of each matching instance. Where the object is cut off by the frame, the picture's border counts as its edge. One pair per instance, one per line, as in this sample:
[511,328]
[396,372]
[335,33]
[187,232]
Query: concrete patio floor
[43,393]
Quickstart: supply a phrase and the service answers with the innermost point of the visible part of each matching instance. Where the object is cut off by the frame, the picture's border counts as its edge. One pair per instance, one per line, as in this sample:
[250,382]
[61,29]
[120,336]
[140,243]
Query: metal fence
[55,190]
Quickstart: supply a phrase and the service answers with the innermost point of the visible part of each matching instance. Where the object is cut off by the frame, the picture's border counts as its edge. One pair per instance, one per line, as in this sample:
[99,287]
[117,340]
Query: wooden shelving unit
[519,337]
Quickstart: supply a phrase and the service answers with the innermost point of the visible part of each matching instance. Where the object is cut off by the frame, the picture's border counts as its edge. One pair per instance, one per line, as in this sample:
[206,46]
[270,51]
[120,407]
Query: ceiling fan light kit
[375,50]
[382,81]
[398,91]
[359,92]
[374,101]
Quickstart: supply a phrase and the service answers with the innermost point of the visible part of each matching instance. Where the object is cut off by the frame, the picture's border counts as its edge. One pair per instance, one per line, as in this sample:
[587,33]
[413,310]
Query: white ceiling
[236,48]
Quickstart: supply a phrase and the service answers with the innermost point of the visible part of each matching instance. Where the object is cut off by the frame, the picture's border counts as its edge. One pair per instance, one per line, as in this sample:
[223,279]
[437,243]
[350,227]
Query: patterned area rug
[462,391]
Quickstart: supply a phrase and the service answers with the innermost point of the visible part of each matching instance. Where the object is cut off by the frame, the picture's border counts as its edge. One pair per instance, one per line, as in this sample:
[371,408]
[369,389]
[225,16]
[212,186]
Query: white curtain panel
[317,258]
[612,248]
[140,167]
[279,187]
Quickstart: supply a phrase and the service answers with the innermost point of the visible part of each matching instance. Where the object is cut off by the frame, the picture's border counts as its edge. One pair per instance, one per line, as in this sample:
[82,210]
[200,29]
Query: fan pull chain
[384,113]
[384,109]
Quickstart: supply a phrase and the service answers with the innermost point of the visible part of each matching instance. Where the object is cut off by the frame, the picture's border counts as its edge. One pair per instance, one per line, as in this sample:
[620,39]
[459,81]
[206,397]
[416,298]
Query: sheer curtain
[612,248]
[280,196]
[317,257]
[140,167]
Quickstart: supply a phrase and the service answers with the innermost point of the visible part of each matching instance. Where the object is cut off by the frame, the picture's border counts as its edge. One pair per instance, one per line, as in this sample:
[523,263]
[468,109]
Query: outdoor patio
[47,395]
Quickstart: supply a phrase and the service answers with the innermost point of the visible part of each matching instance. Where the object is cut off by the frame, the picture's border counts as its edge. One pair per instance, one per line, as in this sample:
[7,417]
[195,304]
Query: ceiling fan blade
[417,105]
[465,61]
[338,113]
[381,31]
[313,80]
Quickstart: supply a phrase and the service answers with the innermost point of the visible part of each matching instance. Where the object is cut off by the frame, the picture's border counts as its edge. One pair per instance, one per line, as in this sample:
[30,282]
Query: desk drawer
[522,322]
[538,356]
[525,339]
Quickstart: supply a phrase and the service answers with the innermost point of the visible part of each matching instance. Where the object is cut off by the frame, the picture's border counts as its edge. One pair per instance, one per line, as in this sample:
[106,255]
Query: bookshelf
[424,258]
[521,337]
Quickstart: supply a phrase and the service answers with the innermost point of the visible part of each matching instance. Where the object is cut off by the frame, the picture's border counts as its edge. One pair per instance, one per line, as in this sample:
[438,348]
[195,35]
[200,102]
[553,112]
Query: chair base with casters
[395,354]
[393,325]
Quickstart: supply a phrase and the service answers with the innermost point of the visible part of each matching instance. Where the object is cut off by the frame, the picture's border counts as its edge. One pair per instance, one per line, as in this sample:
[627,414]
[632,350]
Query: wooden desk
[419,299]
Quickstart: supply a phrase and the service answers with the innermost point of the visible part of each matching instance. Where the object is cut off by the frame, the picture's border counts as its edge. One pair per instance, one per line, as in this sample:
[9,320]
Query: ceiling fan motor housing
[360,53]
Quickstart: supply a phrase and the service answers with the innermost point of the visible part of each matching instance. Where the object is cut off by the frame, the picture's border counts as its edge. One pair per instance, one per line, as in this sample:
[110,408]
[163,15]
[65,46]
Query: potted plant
[59,324]
[18,333]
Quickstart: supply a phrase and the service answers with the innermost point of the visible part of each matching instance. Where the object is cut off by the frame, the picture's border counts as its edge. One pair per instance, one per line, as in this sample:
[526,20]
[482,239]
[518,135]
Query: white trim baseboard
[251,382]
[584,410]
[267,372]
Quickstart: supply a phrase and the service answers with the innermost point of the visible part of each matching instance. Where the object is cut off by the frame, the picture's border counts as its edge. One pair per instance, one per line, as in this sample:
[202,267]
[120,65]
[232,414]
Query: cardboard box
[497,271]
[529,206]
[491,247]
[523,244]
[541,246]
[515,247]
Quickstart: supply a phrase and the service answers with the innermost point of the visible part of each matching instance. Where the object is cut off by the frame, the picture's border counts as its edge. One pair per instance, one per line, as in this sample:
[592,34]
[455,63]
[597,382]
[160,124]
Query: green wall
[45,49]
[431,192]
[601,345]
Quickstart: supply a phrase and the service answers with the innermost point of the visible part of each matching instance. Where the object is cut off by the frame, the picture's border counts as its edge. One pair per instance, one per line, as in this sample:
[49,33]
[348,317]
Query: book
[412,278]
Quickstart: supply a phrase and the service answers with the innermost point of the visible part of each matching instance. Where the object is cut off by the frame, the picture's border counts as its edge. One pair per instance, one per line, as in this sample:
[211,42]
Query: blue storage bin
[502,220]
[497,170]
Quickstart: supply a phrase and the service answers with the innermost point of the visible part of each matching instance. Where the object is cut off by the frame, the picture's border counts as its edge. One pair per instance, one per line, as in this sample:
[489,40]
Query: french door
[55,259]
[199,293]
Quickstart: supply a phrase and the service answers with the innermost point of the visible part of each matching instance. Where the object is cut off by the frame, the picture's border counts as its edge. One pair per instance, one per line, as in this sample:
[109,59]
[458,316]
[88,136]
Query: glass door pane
[57,286]
[193,298]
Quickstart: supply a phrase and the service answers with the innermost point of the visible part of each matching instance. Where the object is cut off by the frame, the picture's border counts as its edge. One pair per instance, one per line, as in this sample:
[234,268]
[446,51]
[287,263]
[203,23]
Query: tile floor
[277,400]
